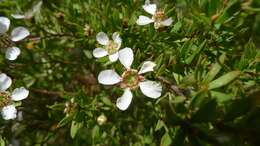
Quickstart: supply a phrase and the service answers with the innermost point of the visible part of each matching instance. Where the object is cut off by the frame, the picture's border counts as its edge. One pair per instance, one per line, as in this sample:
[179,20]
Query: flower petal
[126,57]
[4,24]
[167,22]
[116,37]
[18,16]
[19,33]
[9,112]
[143,20]
[113,57]
[12,53]
[102,38]
[124,101]
[5,82]
[151,89]
[99,52]
[108,77]
[147,67]
[19,94]
[150,8]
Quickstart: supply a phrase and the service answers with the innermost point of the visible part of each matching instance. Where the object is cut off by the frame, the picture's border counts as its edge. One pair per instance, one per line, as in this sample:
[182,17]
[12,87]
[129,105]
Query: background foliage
[208,62]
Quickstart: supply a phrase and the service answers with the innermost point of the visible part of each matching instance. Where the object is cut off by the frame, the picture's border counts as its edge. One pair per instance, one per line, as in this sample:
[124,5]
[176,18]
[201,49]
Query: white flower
[158,17]
[110,48]
[131,79]
[6,99]
[17,34]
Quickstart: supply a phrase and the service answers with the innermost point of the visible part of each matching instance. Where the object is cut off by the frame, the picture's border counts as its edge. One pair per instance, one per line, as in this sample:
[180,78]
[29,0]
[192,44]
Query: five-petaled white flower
[17,34]
[159,18]
[110,48]
[7,106]
[131,79]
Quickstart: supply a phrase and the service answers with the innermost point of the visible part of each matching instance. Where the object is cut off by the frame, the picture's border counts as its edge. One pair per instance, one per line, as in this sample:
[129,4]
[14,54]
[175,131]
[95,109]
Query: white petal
[18,16]
[19,33]
[9,112]
[102,38]
[167,22]
[143,20]
[108,77]
[5,82]
[126,57]
[147,67]
[4,24]
[19,94]
[116,37]
[124,101]
[99,52]
[150,8]
[113,57]
[12,53]
[151,89]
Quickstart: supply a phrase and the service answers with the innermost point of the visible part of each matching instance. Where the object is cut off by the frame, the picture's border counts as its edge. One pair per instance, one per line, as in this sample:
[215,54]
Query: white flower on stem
[7,107]
[158,16]
[131,79]
[17,34]
[110,47]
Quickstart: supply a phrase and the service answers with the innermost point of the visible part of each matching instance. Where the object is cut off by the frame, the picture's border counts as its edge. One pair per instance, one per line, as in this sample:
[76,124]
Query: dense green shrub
[207,61]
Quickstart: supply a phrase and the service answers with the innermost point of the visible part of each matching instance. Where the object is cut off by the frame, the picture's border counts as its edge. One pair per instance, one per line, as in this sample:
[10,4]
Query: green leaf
[2,142]
[221,97]
[224,80]
[75,126]
[215,69]
[159,125]
[233,6]
[166,140]
[177,26]
[195,53]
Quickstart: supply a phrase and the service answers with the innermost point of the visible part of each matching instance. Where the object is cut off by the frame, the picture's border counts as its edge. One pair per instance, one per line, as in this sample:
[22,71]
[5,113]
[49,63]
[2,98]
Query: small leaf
[221,97]
[159,125]
[215,69]
[106,101]
[166,140]
[75,126]
[176,27]
[224,80]
[2,142]
[195,53]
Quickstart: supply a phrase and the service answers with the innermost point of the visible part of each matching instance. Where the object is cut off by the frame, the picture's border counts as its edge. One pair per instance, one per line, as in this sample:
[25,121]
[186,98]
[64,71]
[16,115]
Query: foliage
[207,60]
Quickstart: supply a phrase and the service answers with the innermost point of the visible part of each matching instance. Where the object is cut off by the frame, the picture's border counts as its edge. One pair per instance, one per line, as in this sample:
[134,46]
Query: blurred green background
[207,60]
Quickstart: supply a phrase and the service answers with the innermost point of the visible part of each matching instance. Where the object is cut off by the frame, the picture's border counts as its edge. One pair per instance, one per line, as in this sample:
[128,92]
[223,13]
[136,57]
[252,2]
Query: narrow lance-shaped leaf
[75,126]
[215,69]
[224,80]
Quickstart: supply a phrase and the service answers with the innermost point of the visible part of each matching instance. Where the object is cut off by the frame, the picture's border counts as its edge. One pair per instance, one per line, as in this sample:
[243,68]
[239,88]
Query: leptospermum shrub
[129,72]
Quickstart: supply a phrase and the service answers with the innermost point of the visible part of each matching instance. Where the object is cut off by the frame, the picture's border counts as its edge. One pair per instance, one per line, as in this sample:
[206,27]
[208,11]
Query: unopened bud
[102,119]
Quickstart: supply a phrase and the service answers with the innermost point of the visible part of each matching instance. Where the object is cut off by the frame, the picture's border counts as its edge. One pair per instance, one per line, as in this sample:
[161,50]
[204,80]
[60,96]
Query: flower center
[4,99]
[5,41]
[112,47]
[158,17]
[131,79]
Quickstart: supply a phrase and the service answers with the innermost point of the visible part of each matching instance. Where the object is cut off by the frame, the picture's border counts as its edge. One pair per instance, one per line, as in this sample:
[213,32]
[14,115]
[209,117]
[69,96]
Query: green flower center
[112,47]
[130,79]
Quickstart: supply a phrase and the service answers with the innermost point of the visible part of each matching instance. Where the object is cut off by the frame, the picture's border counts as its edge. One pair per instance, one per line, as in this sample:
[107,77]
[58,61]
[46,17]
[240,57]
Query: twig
[172,87]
